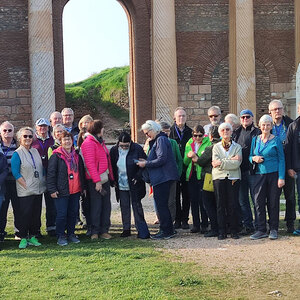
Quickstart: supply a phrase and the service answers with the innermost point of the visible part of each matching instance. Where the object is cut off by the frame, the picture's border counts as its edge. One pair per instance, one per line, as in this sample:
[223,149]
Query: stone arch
[139,15]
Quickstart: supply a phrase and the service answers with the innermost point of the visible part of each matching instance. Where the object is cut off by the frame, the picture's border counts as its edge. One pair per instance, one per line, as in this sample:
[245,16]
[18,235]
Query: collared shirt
[122,170]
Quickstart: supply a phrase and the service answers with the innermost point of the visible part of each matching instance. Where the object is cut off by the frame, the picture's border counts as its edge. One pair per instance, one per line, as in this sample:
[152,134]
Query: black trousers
[30,215]
[227,196]
[267,193]
[210,205]
[182,210]
[289,194]
[10,195]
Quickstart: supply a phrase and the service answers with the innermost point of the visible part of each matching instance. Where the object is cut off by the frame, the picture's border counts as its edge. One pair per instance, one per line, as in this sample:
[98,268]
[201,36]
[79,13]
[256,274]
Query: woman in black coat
[129,184]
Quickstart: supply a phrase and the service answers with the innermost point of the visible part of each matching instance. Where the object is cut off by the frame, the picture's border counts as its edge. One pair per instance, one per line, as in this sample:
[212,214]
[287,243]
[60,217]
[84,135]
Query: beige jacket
[228,168]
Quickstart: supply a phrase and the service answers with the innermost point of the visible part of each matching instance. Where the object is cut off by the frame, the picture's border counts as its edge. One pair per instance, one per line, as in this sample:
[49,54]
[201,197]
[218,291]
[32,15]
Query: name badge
[36,174]
[71,176]
[43,157]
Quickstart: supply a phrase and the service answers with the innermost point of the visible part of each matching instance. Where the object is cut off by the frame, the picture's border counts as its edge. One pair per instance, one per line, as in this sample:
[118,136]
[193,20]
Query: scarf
[226,145]
[70,158]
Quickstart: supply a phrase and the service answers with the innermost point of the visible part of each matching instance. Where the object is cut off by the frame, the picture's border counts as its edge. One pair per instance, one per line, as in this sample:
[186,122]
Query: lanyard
[8,149]
[179,135]
[265,145]
[43,145]
[278,128]
[32,160]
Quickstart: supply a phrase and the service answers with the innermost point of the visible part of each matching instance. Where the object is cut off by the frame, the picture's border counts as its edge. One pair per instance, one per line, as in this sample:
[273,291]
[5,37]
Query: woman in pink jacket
[99,174]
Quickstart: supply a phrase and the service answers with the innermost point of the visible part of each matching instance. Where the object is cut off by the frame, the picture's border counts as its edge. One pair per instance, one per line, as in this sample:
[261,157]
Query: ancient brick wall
[15,100]
[202,50]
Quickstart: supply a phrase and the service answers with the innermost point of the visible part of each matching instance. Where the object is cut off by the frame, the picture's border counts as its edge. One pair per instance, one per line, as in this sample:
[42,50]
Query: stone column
[40,38]
[165,93]
[241,56]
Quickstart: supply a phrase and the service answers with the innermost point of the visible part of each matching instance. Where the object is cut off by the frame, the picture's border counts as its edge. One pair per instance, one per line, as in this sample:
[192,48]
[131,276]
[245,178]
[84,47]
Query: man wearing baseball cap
[243,135]
[42,142]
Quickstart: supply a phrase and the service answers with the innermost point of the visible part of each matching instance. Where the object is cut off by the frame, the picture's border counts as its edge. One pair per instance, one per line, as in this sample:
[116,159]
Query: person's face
[55,119]
[226,133]
[149,134]
[198,137]
[41,130]
[276,111]
[124,146]
[26,138]
[57,133]
[68,117]
[7,131]
[214,117]
[166,131]
[67,142]
[266,127]
[85,124]
[180,117]
[246,120]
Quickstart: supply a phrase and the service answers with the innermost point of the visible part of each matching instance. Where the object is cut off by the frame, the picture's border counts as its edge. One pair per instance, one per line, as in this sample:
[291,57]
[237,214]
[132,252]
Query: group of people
[210,169]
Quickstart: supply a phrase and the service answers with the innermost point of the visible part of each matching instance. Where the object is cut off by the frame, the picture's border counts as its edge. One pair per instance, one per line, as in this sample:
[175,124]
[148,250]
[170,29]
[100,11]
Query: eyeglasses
[67,115]
[198,135]
[124,146]
[25,136]
[213,116]
[245,117]
[7,130]
[276,109]
[225,129]
[147,133]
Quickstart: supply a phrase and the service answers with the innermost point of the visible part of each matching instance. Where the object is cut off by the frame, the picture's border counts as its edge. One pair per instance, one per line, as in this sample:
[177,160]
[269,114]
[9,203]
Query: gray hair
[265,119]
[151,125]
[6,123]
[20,132]
[223,126]
[214,108]
[164,125]
[233,118]
[55,112]
[275,102]
[55,127]
[67,109]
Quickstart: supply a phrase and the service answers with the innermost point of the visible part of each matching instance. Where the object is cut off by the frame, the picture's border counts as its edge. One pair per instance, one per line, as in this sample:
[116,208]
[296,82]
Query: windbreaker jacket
[96,159]
[190,146]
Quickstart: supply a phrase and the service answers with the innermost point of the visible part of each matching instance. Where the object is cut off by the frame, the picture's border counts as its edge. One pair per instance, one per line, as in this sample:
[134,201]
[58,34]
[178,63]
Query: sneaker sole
[30,244]
[258,238]
[62,244]
[77,242]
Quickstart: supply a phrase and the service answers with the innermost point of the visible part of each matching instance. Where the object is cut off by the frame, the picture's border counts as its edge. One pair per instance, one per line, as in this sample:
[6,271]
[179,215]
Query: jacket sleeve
[206,157]
[289,147]
[16,165]
[229,164]
[3,168]
[252,149]
[178,158]
[82,173]
[88,152]
[52,174]
[281,162]
[161,153]
[187,160]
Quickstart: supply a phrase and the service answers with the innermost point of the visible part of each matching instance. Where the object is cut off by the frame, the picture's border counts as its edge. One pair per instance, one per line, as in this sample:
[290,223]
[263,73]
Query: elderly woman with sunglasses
[226,175]
[195,146]
[162,169]
[267,153]
[129,184]
[27,168]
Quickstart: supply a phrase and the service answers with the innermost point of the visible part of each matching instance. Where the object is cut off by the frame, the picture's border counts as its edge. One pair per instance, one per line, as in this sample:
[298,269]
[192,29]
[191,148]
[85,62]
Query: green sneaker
[33,242]
[23,244]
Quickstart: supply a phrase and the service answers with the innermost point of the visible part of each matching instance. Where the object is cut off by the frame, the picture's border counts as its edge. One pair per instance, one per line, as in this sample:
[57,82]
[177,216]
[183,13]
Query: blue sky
[95,37]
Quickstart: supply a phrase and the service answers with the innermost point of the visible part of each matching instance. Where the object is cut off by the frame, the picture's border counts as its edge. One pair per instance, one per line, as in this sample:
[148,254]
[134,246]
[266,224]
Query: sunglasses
[198,135]
[213,116]
[245,117]
[7,130]
[147,133]
[225,129]
[25,136]
[124,146]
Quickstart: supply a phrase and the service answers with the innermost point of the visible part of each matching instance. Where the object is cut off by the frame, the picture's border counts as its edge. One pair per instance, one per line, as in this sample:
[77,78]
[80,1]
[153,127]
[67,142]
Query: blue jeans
[246,212]
[66,213]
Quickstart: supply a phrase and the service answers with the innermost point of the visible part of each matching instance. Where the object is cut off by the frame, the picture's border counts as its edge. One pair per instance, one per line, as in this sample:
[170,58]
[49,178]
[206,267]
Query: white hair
[275,102]
[151,125]
[233,118]
[214,108]
[67,109]
[265,119]
[55,127]
[223,126]
[6,123]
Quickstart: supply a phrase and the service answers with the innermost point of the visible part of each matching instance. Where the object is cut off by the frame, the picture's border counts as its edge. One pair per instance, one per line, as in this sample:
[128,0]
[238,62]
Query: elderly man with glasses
[68,121]
[214,114]
[281,123]
[243,136]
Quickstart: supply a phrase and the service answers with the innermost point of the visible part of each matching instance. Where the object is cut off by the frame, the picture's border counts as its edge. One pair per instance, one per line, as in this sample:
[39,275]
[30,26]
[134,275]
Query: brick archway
[139,15]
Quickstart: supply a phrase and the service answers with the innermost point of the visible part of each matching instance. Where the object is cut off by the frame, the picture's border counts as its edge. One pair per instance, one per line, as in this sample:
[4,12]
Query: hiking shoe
[258,235]
[105,236]
[185,225]
[177,225]
[273,235]
[222,236]
[211,233]
[296,232]
[23,244]
[125,233]
[94,236]
[235,236]
[73,239]
[162,236]
[290,228]
[62,241]
[33,242]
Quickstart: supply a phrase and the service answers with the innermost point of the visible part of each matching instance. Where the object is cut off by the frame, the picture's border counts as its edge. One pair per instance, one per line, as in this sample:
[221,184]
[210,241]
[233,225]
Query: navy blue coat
[161,163]
[133,171]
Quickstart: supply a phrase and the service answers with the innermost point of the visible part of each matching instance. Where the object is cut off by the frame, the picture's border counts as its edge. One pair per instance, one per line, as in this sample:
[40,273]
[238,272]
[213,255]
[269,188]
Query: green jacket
[190,146]
[177,155]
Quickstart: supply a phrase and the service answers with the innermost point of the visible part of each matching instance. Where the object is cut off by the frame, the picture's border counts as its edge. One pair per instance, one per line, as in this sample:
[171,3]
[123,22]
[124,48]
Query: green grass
[109,89]
[113,269]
